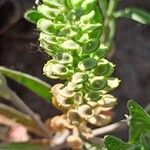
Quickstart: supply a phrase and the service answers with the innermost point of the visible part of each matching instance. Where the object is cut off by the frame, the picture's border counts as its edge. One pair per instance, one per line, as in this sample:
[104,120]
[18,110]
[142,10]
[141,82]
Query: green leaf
[19,117]
[135,14]
[24,146]
[139,122]
[4,90]
[145,140]
[34,84]
[113,143]
[33,16]
[103,5]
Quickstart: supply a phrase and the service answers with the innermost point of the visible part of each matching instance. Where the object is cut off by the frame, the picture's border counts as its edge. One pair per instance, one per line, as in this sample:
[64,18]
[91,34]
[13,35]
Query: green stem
[107,22]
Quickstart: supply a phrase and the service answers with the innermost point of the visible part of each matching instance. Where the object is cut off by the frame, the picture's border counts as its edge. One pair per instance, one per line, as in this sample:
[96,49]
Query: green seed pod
[79,77]
[91,46]
[67,31]
[97,83]
[87,64]
[52,69]
[63,58]
[46,26]
[88,18]
[93,95]
[85,111]
[52,3]
[102,68]
[112,83]
[75,3]
[110,70]
[100,53]
[82,38]
[88,28]
[88,5]
[73,86]
[48,12]
[107,100]
[69,45]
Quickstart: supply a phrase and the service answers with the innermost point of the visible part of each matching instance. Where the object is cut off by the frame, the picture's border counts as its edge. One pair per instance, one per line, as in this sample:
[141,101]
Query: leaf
[113,143]
[145,140]
[139,122]
[103,5]
[135,14]
[34,84]
[33,16]
[4,90]
[19,117]
[24,146]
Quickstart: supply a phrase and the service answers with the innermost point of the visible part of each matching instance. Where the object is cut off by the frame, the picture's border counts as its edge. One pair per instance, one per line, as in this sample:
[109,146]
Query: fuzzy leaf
[135,14]
[139,123]
[113,143]
[34,84]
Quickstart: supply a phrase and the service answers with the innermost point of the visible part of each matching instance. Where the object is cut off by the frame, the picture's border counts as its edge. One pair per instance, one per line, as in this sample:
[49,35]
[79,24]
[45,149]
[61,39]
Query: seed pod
[100,53]
[88,5]
[66,92]
[46,26]
[57,123]
[79,77]
[73,86]
[74,116]
[75,3]
[107,100]
[87,64]
[85,111]
[93,95]
[75,142]
[88,18]
[48,12]
[64,58]
[99,120]
[91,46]
[97,83]
[52,3]
[102,68]
[112,83]
[69,45]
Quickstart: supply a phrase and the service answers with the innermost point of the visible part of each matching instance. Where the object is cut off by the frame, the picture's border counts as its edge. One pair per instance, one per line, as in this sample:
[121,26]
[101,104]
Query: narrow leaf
[24,146]
[19,117]
[135,14]
[34,84]
[139,122]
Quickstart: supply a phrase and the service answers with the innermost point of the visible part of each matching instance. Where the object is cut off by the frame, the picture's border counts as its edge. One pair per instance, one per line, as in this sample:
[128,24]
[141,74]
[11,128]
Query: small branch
[24,108]
[113,127]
